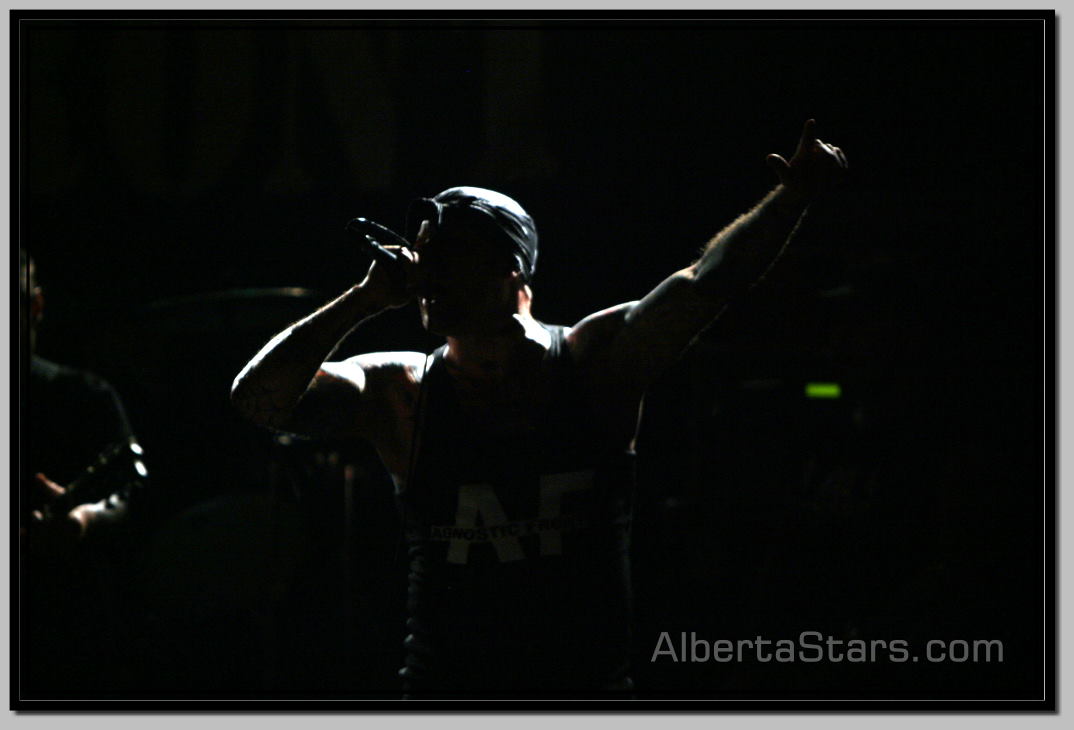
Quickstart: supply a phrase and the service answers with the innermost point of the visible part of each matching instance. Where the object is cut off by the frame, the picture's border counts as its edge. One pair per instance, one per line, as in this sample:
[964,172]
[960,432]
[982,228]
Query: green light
[823,390]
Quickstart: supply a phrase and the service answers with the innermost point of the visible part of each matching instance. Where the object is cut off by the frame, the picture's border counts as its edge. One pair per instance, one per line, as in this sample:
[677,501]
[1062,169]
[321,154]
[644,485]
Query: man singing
[512,445]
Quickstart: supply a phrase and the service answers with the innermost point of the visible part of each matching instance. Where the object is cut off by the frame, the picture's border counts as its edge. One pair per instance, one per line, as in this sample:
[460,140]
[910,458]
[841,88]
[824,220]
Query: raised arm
[288,386]
[631,344]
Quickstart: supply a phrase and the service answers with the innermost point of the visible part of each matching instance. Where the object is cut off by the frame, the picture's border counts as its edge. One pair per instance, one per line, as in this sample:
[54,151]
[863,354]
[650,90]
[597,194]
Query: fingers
[407,253]
[834,151]
[394,260]
[778,164]
[842,157]
[395,278]
[405,262]
[808,135]
[410,271]
[816,164]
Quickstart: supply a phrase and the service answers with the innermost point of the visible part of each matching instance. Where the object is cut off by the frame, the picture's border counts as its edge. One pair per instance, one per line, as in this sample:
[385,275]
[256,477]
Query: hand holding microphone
[391,277]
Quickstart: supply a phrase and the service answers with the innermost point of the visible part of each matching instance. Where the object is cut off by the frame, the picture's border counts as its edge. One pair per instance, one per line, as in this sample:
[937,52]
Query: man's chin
[440,323]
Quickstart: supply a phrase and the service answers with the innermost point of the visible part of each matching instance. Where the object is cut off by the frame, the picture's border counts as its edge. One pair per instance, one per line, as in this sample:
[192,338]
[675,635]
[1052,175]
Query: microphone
[369,231]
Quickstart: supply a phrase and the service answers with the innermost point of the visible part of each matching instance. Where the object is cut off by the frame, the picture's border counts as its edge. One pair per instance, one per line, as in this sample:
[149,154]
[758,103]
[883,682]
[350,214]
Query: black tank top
[518,545]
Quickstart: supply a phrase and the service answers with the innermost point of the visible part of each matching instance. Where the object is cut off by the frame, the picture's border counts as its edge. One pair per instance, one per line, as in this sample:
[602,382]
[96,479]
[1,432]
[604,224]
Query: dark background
[175,175]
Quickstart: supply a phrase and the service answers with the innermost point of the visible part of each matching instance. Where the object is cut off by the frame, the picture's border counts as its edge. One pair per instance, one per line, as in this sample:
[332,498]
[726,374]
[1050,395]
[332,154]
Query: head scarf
[510,224]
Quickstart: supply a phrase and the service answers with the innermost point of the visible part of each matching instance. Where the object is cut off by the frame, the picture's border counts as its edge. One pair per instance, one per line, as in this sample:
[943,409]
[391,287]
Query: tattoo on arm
[272,384]
[262,403]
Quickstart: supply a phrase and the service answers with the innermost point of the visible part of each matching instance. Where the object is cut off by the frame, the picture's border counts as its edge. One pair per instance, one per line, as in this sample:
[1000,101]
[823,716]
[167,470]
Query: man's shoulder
[594,333]
[402,366]
[388,360]
[367,395]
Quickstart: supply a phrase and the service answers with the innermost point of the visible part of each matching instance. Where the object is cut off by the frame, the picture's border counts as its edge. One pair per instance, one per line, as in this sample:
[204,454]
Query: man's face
[466,286]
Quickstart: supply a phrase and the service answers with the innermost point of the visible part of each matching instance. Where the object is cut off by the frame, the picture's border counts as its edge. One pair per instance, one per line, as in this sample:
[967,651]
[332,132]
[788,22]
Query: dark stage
[183,187]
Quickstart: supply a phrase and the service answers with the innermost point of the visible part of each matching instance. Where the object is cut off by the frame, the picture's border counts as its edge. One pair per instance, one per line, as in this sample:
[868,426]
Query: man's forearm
[743,251]
[272,383]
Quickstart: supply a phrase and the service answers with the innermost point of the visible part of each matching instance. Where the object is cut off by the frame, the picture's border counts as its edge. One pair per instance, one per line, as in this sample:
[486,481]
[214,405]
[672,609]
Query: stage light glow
[823,390]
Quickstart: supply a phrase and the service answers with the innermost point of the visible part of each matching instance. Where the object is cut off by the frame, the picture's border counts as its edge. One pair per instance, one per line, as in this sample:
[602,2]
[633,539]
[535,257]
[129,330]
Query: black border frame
[580,20]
